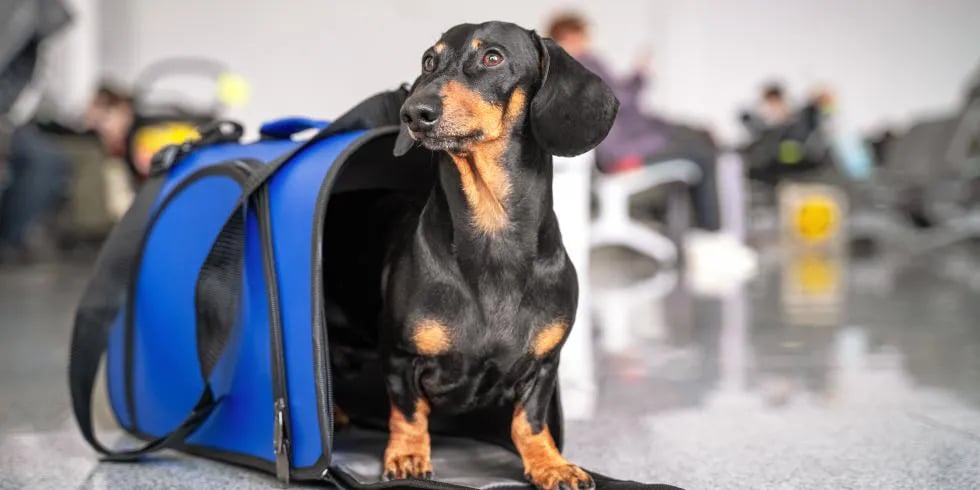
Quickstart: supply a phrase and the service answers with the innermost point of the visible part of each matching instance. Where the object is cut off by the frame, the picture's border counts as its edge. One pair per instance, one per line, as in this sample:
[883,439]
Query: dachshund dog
[480,295]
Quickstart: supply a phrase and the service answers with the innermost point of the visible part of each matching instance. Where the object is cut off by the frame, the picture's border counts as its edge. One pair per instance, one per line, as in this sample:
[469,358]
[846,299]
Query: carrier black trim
[321,355]
[282,428]
[323,375]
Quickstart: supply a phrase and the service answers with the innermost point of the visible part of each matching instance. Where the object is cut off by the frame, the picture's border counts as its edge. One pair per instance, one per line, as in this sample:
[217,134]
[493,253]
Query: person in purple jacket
[636,138]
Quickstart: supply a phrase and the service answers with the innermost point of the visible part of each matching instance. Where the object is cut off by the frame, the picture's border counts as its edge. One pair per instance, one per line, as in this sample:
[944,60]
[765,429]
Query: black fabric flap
[374,112]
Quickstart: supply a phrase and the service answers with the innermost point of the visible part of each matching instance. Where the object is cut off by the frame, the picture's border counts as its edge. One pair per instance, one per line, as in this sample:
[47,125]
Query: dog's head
[484,82]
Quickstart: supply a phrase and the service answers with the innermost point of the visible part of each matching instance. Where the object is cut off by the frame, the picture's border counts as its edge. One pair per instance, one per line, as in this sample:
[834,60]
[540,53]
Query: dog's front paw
[407,465]
[564,476]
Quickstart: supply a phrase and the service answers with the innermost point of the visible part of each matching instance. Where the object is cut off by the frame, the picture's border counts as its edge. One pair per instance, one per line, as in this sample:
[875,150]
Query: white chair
[571,201]
[613,225]
[572,184]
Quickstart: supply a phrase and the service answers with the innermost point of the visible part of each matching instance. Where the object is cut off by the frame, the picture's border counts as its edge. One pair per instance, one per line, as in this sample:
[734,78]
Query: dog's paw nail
[561,477]
[408,466]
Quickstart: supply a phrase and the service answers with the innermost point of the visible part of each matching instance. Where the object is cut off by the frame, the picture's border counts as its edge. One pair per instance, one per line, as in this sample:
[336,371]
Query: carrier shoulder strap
[101,303]
[106,294]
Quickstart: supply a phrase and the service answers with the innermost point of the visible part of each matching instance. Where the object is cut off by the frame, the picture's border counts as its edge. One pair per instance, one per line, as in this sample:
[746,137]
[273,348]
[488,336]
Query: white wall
[317,57]
[887,60]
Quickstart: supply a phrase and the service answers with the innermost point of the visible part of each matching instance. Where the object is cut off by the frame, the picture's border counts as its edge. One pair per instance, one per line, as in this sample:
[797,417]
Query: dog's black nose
[421,115]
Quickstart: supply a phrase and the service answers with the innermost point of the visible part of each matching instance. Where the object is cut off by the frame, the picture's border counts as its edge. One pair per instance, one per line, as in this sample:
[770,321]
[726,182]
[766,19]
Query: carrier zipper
[323,376]
[281,427]
[280,443]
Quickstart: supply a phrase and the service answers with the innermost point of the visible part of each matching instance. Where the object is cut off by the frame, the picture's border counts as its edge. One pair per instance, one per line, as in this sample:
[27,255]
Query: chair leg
[613,225]
[650,243]
[613,206]
[639,238]
[679,219]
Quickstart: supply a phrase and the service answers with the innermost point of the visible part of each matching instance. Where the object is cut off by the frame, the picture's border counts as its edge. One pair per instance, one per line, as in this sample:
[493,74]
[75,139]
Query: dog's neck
[494,202]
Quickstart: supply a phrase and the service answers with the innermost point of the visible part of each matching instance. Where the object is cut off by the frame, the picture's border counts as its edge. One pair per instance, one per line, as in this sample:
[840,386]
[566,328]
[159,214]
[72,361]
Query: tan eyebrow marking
[475,44]
[439,48]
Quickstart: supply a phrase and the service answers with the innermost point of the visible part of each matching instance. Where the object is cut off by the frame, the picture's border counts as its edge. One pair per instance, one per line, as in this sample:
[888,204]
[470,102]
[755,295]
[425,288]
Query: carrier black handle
[286,127]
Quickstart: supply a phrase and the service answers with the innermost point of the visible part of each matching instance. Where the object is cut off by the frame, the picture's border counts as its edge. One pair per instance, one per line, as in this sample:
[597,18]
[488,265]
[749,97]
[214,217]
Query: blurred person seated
[773,110]
[785,142]
[134,126]
[638,139]
[38,175]
[112,116]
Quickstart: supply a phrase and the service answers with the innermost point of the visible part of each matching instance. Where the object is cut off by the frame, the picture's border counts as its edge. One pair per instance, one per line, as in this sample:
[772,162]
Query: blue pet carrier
[208,299]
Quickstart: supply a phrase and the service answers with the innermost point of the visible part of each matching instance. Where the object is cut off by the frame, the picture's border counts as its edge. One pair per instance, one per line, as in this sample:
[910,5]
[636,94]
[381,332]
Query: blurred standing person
[33,173]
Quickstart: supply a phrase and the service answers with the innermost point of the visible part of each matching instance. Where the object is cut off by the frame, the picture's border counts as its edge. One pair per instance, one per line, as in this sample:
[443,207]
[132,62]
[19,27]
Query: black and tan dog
[481,295]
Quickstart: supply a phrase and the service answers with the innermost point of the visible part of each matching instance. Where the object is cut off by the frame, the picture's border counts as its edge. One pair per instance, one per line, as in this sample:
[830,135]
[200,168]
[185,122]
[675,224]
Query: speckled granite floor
[815,375]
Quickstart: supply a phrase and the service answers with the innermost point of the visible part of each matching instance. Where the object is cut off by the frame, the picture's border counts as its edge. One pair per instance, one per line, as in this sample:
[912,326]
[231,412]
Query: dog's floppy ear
[573,109]
[404,141]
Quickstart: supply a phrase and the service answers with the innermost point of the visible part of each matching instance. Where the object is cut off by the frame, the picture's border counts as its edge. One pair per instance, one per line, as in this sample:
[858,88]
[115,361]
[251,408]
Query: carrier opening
[372,205]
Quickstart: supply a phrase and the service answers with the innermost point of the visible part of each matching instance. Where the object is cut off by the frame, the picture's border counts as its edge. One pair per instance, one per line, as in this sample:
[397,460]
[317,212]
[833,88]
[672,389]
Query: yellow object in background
[812,215]
[814,264]
[816,218]
[151,138]
[233,90]
[815,274]
[813,288]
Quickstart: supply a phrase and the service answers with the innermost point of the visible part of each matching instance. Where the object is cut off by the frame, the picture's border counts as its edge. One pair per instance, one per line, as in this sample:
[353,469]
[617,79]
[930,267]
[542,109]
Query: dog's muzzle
[421,114]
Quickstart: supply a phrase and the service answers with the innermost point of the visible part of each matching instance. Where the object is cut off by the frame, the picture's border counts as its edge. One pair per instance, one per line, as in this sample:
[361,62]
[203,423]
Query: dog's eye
[428,63]
[492,58]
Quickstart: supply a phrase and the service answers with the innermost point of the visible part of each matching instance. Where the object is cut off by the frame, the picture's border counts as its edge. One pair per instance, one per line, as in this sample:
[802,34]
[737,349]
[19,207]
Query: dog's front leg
[544,466]
[408,454]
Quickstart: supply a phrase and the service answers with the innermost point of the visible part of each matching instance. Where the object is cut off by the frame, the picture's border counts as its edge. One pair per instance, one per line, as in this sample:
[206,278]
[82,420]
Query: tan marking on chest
[548,338]
[431,337]
[482,173]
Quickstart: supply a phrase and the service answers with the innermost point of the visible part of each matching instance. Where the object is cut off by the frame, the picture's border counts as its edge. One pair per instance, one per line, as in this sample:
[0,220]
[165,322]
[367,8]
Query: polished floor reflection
[819,373]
